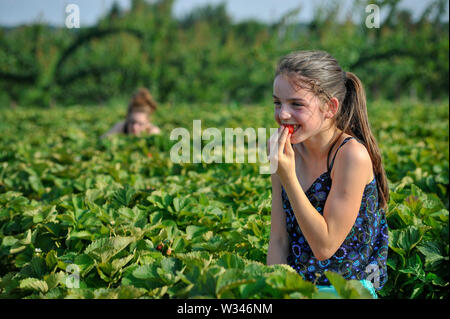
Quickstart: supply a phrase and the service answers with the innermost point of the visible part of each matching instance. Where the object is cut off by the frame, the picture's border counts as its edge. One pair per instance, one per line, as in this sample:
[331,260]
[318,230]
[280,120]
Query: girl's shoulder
[354,150]
[117,128]
[353,154]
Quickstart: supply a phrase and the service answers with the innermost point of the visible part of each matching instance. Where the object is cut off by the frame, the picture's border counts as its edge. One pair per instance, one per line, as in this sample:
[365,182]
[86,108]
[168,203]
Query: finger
[282,141]
[289,150]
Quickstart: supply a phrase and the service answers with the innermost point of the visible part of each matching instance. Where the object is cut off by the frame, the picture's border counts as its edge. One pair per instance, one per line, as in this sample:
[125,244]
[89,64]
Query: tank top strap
[343,142]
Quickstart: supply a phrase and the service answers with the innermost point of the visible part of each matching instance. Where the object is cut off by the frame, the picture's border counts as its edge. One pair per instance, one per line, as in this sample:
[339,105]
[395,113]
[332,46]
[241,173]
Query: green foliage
[70,201]
[206,57]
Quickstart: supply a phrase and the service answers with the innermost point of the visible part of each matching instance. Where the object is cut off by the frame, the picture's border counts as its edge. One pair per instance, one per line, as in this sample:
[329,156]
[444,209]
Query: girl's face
[137,123]
[298,107]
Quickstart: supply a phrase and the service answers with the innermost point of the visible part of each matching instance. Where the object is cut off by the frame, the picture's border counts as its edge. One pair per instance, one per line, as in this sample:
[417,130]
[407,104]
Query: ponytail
[353,120]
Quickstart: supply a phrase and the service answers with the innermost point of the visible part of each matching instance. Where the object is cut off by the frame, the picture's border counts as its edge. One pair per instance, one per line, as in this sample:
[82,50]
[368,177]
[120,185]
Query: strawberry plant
[128,225]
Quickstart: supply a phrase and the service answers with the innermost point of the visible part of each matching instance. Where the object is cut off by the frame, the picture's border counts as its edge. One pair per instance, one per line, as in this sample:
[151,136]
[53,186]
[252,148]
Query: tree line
[205,56]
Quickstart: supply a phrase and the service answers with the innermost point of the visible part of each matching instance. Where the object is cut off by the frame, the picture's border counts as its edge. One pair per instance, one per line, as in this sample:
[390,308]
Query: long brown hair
[320,72]
[142,101]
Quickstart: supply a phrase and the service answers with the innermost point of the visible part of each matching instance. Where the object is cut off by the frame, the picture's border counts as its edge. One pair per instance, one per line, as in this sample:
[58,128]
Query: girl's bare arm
[117,128]
[278,243]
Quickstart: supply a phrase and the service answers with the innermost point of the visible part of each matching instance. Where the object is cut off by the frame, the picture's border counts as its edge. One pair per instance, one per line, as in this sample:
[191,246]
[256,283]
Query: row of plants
[118,219]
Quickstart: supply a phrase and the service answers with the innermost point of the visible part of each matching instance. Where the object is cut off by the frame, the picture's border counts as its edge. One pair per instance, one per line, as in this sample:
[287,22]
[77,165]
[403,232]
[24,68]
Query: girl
[140,109]
[326,215]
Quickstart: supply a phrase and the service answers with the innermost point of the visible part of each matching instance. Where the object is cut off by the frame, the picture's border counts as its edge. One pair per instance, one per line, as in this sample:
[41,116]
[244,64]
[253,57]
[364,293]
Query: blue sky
[16,12]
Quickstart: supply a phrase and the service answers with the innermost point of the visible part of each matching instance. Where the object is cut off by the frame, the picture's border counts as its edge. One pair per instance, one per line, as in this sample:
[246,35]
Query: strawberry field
[82,217]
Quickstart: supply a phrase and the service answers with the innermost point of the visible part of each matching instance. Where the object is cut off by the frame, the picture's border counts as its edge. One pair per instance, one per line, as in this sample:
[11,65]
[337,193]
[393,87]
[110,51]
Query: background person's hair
[320,73]
[142,101]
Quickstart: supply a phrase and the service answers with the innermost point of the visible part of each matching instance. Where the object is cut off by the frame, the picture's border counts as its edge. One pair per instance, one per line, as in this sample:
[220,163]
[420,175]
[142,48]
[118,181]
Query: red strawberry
[290,128]
[160,246]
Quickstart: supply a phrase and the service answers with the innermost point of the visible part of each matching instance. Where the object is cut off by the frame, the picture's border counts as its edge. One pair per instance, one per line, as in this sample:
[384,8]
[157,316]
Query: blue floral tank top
[362,255]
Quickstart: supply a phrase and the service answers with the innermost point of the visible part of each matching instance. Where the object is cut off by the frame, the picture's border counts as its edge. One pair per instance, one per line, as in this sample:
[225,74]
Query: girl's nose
[284,114]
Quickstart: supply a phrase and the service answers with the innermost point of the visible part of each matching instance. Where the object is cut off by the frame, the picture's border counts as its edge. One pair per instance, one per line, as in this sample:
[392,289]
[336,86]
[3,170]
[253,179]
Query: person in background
[138,120]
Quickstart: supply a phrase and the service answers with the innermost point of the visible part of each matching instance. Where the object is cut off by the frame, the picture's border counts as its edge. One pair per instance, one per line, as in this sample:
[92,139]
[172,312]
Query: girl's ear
[333,106]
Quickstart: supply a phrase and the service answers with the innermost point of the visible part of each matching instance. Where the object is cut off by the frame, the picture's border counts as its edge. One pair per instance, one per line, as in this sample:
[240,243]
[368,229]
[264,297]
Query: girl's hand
[285,157]
[147,128]
[153,129]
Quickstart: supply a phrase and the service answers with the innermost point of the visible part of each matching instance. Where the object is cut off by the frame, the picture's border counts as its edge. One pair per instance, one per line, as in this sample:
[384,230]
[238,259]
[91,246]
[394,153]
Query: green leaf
[203,199]
[179,243]
[436,280]
[104,249]
[231,279]
[85,262]
[156,200]
[441,215]
[177,204]
[119,263]
[195,258]
[129,292]
[78,205]
[229,260]
[391,262]
[417,291]
[54,279]
[34,284]
[433,254]
[291,282]
[9,241]
[194,232]
[145,272]
[156,218]
[145,276]
[205,281]
[10,195]
[82,234]
[36,184]
[124,196]
[251,290]
[18,203]
[348,289]
[80,293]
[51,259]
[414,267]
[39,266]
[406,238]
[9,283]
[92,195]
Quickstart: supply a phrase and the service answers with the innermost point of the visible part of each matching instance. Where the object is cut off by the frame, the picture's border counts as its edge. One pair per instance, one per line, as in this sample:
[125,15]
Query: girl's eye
[297,105]
[277,104]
